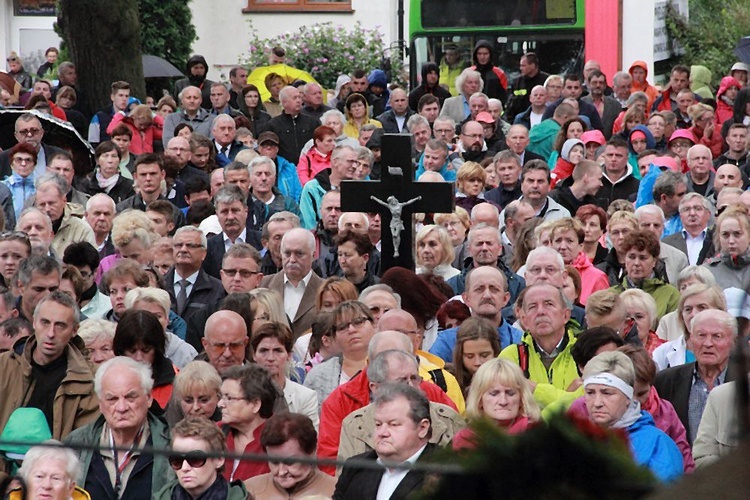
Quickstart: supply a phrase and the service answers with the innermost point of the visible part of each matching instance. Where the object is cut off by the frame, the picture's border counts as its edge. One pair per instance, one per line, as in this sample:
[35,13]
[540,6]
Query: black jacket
[206,290]
[565,197]
[390,125]
[585,108]
[502,196]
[293,133]
[519,91]
[122,190]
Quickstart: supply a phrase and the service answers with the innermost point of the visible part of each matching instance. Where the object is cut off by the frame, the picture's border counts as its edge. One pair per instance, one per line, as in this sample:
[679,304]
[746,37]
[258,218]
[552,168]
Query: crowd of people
[202,291]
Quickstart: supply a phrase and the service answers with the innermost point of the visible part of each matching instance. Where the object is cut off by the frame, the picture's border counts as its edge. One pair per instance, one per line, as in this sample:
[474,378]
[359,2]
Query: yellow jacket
[429,363]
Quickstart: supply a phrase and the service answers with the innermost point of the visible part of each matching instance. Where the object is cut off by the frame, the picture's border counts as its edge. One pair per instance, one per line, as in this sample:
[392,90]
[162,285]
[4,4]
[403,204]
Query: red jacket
[311,163]
[349,397]
[142,141]
[715,143]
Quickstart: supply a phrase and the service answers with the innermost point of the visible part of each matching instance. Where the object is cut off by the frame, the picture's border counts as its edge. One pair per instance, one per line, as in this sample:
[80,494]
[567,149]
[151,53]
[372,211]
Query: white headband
[612,381]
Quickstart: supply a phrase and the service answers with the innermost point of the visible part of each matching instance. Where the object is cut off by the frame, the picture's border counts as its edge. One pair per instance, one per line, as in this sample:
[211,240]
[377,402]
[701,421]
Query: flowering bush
[324,50]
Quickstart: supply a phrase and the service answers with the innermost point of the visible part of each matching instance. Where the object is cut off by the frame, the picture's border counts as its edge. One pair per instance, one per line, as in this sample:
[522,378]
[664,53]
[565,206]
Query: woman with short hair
[106,177]
[146,126]
[198,474]
[196,392]
[50,472]
[641,308]
[435,254]
[318,158]
[499,392]
[609,381]
[669,326]
[98,336]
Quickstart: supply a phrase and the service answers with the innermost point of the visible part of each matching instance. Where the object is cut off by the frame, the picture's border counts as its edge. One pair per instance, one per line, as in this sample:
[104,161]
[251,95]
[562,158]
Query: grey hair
[234,166]
[30,210]
[101,196]
[229,194]
[51,450]
[700,273]
[64,300]
[619,75]
[63,66]
[377,369]
[333,112]
[446,119]
[150,295]
[119,362]
[284,92]
[540,251]
[552,78]
[373,347]
[56,180]
[380,287]
[726,320]
[472,218]
[242,251]
[704,201]
[468,72]
[309,237]
[192,229]
[182,92]
[561,296]
[484,225]
[41,264]
[696,147]
[614,362]
[419,405]
[92,329]
[665,184]
[285,216]
[339,151]
[261,160]
[365,154]
[416,121]
[222,117]
[650,209]
[496,101]
[479,95]
[635,97]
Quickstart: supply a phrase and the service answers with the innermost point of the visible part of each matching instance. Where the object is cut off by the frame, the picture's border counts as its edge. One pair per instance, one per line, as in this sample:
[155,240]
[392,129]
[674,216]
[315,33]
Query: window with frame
[298,6]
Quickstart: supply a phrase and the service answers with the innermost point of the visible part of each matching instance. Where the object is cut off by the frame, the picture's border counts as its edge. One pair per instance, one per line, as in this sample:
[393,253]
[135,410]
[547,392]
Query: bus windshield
[481,13]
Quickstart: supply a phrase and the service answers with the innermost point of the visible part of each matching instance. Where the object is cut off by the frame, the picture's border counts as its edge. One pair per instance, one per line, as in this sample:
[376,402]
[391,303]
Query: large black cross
[406,197]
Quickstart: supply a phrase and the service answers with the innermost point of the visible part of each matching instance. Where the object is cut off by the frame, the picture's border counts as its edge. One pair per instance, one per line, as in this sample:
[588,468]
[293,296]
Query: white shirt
[535,118]
[293,295]
[191,281]
[393,477]
[242,238]
[694,246]
[400,120]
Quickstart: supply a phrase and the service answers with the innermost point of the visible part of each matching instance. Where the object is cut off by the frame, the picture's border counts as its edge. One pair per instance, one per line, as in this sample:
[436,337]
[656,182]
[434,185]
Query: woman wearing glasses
[353,329]
[198,475]
[23,158]
[248,396]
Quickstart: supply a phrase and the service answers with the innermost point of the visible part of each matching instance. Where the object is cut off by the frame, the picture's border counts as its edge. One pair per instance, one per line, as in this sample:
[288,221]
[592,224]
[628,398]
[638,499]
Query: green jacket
[542,138]
[552,383]
[90,435]
[665,295]
[237,491]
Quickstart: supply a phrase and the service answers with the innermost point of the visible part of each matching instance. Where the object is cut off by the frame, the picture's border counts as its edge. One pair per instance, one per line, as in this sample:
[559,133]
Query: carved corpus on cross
[397,197]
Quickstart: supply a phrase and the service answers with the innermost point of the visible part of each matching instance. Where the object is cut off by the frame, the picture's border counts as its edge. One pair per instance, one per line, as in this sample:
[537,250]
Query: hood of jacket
[628,173]
[740,262]
[378,78]
[196,59]
[700,79]
[324,179]
[726,83]
[650,141]
[487,45]
[568,145]
[427,68]
[638,64]
[340,82]
[348,113]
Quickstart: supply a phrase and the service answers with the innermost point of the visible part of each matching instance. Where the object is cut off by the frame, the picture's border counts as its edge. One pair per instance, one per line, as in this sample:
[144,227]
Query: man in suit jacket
[403,437]
[609,108]
[225,139]
[296,283]
[231,210]
[189,287]
[695,211]
[29,129]
[713,336]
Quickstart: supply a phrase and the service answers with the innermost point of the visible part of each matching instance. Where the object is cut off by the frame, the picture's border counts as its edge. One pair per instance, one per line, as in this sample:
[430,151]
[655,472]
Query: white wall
[223,31]
[27,35]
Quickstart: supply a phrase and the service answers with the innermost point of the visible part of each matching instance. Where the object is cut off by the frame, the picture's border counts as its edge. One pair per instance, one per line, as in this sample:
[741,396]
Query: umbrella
[156,67]
[742,51]
[13,87]
[56,133]
[289,74]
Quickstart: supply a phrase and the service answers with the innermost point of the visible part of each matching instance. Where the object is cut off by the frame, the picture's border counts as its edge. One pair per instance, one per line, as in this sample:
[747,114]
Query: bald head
[727,175]
[225,339]
[389,340]
[485,213]
[402,321]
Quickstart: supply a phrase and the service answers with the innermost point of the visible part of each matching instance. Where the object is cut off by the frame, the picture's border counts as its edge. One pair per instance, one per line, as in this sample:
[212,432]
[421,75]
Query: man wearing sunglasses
[119,469]
[29,129]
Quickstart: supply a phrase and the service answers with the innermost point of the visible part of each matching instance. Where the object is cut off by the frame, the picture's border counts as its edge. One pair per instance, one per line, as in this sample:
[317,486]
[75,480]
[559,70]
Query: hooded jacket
[700,81]
[495,81]
[312,197]
[646,87]
[563,167]
[632,155]
[654,449]
[380,103]
[592,279]
[197,81]
[620,189]
[725,106]
[423,89]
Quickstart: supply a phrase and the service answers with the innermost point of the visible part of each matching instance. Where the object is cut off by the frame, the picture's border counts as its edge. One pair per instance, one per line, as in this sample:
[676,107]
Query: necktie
[182,296]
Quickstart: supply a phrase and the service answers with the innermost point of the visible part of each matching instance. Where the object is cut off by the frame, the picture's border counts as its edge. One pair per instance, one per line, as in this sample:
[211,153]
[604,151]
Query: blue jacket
[654,449]
[287,179]
[446,340]
[448,175]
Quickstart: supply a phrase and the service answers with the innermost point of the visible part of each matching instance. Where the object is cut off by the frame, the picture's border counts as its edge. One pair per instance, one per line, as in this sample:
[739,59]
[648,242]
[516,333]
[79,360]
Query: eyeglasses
[18,160]
[231,399]
[191,246]
[29,131]
[473,136]
[220,347]
[195,459]
[356,323]
[244,273]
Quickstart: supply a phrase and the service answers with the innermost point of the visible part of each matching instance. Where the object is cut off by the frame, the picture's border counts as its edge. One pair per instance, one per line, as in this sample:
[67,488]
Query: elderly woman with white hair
[49,472]
[608,381]
[97,335]
[669,326]
[157,302]
[641,308]
[435,254]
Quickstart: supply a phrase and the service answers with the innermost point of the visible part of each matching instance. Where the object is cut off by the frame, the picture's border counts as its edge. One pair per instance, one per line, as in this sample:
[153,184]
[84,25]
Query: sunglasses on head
[195,459]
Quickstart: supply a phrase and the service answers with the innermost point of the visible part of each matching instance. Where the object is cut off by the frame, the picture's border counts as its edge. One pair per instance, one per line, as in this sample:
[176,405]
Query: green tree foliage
[710,35]
[167,30]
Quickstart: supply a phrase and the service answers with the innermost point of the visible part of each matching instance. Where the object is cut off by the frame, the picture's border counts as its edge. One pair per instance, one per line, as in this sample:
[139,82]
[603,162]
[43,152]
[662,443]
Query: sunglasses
[195,459]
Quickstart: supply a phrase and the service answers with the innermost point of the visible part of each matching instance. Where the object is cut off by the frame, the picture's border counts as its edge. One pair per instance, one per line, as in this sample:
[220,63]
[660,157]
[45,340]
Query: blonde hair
[197,376]
[637,298]
[507,373]
[132,224]
[273,303]
[622,216]
[152,295]
[91,330]
[449,252]
[459,212]
[715,297]
[471,170]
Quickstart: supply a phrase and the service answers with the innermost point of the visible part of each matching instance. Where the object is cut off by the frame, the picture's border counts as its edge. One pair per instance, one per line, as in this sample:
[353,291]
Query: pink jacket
[311,163]
[665,419]
[142,141]
[592,279]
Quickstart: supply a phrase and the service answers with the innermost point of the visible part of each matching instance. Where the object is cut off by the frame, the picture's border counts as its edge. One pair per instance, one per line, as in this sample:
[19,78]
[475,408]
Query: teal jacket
[542,138]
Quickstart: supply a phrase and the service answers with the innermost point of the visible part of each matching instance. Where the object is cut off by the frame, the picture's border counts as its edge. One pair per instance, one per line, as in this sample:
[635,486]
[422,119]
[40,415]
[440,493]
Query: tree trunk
[104,41]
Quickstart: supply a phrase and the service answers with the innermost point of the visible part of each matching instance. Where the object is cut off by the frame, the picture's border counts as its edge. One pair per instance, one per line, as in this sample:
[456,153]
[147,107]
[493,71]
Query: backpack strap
[438,378]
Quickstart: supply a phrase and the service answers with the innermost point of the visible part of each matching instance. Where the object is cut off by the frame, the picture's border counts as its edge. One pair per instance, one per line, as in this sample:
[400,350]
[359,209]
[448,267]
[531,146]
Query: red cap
[485,117]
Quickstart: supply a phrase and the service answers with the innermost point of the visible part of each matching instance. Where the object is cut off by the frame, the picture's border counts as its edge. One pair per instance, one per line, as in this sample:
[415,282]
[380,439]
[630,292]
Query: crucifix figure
[396,225]
[396,197]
